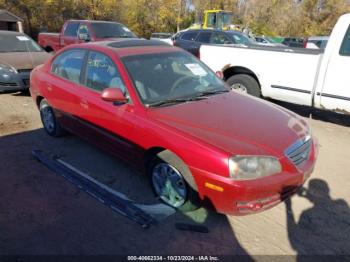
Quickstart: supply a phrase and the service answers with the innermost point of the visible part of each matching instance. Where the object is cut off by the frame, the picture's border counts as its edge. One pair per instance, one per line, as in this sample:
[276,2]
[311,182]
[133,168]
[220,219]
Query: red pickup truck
[79,31]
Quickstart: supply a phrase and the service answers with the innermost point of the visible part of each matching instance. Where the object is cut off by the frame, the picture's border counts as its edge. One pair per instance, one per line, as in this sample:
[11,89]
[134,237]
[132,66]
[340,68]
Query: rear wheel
[246,84]
[167,175]
[48,118]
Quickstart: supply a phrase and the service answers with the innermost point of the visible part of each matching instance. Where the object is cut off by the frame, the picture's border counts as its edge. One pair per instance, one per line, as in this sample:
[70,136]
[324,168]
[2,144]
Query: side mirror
[84,36]
[114,95]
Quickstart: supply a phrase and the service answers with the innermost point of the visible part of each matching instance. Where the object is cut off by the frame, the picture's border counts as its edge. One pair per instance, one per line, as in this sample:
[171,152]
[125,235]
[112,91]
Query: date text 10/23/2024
[173,258]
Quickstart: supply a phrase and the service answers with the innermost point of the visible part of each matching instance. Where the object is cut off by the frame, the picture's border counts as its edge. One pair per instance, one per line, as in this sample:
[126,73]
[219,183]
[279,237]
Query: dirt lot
[41,213]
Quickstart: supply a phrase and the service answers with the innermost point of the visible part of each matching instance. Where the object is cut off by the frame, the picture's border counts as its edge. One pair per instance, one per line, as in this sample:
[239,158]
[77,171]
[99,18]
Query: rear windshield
[171,75]
[18,43]
[112,30]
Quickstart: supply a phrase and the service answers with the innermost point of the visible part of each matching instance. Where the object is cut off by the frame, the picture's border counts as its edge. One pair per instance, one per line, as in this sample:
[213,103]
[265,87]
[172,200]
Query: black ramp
[113,199]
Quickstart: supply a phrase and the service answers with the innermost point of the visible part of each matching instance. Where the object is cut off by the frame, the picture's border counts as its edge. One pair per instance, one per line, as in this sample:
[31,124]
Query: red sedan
[165,112]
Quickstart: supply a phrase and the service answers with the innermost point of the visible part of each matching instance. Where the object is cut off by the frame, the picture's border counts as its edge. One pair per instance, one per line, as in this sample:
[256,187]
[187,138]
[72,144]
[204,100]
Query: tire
[49,120]
[247,82]
[187,198]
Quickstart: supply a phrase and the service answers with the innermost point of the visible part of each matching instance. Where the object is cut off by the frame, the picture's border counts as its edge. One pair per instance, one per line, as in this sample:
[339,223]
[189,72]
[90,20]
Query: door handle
[84,104]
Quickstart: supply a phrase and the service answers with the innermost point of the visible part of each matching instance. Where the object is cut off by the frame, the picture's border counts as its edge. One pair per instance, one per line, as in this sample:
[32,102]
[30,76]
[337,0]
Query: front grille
[299,152]
[8,84]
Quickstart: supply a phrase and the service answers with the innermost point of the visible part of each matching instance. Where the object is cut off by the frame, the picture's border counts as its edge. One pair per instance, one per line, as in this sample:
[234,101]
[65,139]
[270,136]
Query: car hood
[24,60]
[235,123]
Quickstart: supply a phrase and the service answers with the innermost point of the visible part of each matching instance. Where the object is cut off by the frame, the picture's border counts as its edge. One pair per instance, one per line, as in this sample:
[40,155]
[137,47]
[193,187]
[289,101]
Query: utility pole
[179,15]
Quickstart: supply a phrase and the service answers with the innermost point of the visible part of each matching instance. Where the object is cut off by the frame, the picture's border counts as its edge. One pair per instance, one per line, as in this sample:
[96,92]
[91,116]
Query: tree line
[264,17]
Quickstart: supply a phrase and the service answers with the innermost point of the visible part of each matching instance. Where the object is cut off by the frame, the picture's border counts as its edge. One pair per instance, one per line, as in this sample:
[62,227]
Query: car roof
[133,46]
[202,30]
[318,38]
[127,43]
[93,21]
[161,33]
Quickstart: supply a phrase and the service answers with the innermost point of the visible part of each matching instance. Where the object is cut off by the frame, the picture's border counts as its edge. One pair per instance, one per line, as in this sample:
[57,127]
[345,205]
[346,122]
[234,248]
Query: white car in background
[164,37]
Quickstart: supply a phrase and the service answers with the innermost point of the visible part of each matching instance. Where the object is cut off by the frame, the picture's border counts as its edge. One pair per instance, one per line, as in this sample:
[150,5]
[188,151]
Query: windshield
[112,30]
[226,20]
[169,76]
[18,43]
[239,38]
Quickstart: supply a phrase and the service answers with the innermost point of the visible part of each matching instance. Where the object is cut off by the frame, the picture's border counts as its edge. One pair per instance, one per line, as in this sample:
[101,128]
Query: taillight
[198,55]
[305,42]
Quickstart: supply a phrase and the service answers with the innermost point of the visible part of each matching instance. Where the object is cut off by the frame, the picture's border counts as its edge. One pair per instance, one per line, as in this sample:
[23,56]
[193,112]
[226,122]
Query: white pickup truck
[300,76]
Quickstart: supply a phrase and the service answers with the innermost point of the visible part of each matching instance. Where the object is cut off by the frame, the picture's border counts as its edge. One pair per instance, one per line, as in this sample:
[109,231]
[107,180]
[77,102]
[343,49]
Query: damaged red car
[162,110]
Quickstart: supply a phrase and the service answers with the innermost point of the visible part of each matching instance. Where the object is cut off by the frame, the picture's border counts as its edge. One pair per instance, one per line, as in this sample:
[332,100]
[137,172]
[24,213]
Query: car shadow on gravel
[17,93]
[323,229]
[317,114]
[42,213]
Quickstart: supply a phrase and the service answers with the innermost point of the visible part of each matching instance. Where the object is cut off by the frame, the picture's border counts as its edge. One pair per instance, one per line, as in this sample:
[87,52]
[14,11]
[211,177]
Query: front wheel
[48,118]
[169,184]
[244,84]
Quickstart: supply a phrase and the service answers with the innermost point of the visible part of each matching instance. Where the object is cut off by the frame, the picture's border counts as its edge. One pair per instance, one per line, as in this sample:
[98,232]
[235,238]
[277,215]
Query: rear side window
[71,29]
[345,47]
[204,37]
[68,65]
[190,36]
[102,73]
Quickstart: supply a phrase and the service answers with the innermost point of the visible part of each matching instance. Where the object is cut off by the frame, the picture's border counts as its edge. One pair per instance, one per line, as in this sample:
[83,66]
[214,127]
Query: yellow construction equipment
[216,19]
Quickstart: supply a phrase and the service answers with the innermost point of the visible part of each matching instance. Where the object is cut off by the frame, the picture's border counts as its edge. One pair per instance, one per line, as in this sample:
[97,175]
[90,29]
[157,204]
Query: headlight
[7,69]
[253,167]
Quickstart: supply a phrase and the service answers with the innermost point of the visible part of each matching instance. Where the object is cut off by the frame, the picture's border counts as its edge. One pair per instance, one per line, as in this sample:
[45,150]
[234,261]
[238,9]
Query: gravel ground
[41,213]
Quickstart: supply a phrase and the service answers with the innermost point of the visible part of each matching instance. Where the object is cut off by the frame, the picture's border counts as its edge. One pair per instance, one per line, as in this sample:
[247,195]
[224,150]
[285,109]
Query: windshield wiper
[174,101]
[212,92]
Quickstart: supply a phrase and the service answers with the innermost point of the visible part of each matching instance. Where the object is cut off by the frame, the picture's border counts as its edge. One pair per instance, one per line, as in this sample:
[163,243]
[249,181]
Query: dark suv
[191,40]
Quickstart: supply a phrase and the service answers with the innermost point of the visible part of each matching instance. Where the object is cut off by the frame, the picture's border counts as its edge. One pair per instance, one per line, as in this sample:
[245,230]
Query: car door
[107,125]
[70,34]
[63,85]
[187,42]
[335,94]
[220,38]
[204,37]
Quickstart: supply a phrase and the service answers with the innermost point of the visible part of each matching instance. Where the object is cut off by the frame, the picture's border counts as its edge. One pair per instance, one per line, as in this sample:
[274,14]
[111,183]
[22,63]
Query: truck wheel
[244,84]
[167,174]
[48,118]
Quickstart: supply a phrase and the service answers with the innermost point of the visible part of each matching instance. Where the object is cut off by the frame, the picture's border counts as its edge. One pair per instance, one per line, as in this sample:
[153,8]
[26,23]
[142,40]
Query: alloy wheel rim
[48,118]
[169,184]
[240,88]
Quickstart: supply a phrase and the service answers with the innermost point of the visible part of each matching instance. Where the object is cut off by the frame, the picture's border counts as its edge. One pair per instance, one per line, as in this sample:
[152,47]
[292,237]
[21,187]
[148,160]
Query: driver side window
[219,39]
[102,73]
